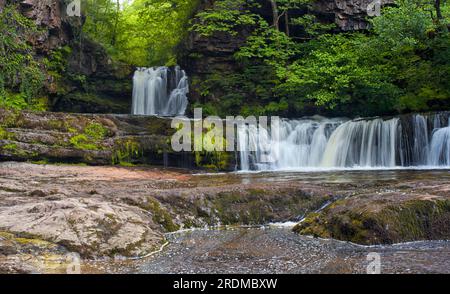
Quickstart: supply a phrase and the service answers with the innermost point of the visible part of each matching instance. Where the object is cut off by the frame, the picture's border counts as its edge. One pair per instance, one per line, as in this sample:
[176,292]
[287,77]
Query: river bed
[84,191]
[270,250]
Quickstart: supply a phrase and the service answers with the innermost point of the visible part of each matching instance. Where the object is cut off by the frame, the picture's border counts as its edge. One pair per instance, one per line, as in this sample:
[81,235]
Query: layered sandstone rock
[349,15]
[97,140]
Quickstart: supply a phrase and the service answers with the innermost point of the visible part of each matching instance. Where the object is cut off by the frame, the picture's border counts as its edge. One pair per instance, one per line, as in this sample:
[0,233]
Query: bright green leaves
[403,26]
[225,16]
[400,67]
[143,33]
[270,45]
[21,75]
[312,26]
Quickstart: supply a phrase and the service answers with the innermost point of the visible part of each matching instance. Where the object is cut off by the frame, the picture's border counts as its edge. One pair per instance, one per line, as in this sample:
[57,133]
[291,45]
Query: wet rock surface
[114,211]
[118,212]
[20,255]
[283,252]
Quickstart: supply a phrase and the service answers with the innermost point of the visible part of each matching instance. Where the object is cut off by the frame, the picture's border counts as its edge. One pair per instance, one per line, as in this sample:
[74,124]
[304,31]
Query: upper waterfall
[160,91]
[310,143]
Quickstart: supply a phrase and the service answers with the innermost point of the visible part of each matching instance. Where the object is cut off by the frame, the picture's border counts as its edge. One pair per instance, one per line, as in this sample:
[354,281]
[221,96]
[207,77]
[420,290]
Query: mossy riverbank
[97,140]
[371,221]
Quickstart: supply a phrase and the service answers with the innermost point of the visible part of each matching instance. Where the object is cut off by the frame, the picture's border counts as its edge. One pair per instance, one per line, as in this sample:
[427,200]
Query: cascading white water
[362,144]
[160,91]
[307,139]
[326,144]
[440,147]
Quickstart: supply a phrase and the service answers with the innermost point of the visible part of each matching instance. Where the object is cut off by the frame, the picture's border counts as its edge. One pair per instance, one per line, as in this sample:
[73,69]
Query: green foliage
[311,26]
[96,131]
[83,142]
[5,135]
[269,45]
[291,62]
[401,64]
[403,27]
[255,85]
[225,16]
[21,75]
[126,152]
[56,66]
[160,215]
[337,69]
[142,33]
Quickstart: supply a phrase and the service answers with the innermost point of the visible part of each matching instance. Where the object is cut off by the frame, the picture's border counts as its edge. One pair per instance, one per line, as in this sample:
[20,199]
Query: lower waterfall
[160,91]
[320,143]
[440,147]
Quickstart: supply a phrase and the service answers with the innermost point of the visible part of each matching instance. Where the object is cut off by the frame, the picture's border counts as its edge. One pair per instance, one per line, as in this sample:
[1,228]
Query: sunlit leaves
[145,33]
[224,16]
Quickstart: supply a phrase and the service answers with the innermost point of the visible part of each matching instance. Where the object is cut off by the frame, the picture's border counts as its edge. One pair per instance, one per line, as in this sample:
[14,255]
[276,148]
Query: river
[31,194]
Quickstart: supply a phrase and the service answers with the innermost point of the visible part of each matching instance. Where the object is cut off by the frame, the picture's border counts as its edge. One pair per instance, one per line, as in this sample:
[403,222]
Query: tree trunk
[286,20]
[116,24]
[437,6]
[275,13]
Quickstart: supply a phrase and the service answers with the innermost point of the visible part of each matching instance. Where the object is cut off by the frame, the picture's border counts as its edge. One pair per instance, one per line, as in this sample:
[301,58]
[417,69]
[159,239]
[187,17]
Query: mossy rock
[411,220]
[91,138]
[160,214]
[258,206]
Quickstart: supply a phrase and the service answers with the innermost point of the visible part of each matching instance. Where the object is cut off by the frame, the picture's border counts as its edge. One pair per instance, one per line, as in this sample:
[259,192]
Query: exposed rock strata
[349,15]
[97,140]
[410,211]
[49,16]
[113,211]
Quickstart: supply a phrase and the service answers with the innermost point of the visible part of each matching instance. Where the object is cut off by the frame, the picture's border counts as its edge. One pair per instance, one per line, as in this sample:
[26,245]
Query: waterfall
[306,139]
[320,143]
[440,147]
[160,91]
[362,144]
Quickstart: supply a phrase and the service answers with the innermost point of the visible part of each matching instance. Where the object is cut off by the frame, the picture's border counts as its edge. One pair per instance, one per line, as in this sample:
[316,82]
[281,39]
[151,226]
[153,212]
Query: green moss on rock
[408,221]
[5,135]
[126,151]
[91,138]
[160,214]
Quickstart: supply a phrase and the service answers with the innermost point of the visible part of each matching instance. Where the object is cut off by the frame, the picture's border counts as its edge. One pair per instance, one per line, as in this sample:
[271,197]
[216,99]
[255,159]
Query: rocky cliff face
[48,15]
[349,15]
[91,82]
[96,84]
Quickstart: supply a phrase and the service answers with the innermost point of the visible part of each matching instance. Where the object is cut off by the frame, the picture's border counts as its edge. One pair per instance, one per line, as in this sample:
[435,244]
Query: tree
[276,14]
[401,64]
[280,10]
[437,5]
[144,32]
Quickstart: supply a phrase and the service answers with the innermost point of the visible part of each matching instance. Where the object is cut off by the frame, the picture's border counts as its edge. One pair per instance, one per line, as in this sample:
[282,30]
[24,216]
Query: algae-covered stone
[369,221]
